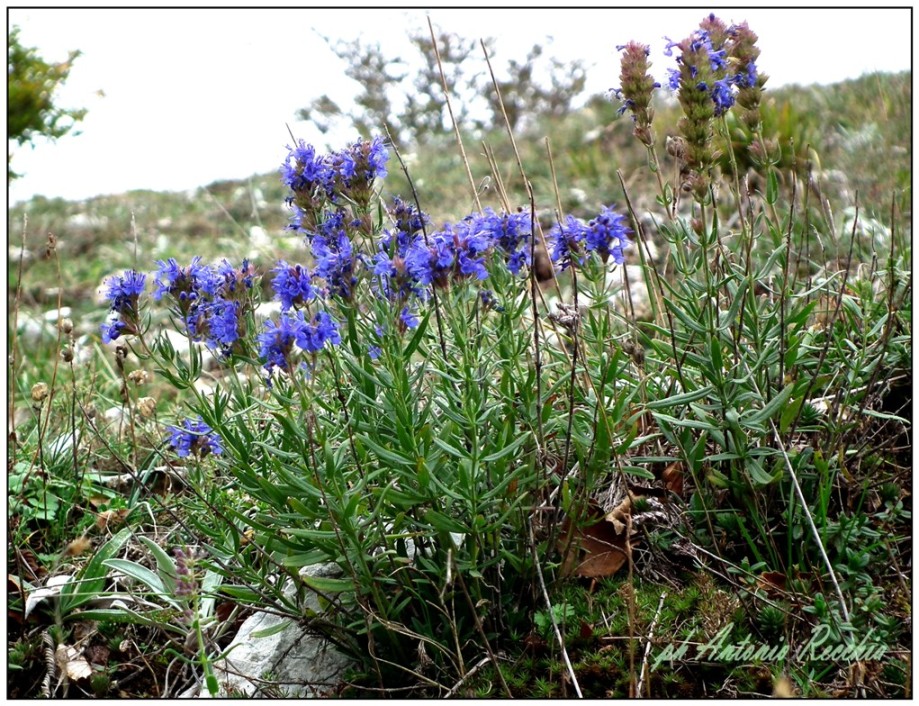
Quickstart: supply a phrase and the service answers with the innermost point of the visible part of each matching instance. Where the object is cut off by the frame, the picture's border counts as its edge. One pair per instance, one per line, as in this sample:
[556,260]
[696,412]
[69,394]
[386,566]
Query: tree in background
[31,111]
[415,111]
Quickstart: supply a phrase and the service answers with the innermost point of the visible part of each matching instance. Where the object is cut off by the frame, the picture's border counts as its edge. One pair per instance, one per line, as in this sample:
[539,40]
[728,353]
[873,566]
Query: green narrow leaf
[452,450]
[418,337]
[681,399]
[281,626]
[688,321]
[790,413]
[327,585]
[770,409]
[690,423]
[301,559]
[442,523]
[125,615]
[243,593]
[772,187]
[387,455]
[510,448]
[732,311]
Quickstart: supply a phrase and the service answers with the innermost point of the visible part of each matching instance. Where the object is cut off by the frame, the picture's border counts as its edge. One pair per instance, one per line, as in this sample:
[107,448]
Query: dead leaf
[98,500]
[71,662]
[98,654]
[673,478]
[597,550]
[111,518]
[52,588]
[77,547]
[773,583]
[32,563]
[783,688]
[619,515]
[224,610]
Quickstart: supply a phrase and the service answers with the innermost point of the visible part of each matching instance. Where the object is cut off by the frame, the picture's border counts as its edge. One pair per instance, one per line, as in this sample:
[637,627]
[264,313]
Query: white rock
[259,237]
[56,315]
[266,310]
[16,251]
[32,330]
[84,220]
[82,351]
[300,664]
[578,195]
[641,299]
[62,443]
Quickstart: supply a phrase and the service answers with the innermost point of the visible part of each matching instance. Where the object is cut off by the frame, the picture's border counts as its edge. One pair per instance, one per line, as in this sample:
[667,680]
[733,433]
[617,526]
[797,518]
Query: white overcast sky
[179,98]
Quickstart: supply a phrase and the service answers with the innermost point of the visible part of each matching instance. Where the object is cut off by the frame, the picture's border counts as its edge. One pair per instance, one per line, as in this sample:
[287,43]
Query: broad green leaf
[790,413]
[144,575]
[757,474]
[209,585]
[90,581]
[164,564]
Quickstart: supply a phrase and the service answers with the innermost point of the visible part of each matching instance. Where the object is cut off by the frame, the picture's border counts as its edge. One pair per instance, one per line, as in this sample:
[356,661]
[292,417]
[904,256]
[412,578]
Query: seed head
[139,377]
[39,392]
[147,407]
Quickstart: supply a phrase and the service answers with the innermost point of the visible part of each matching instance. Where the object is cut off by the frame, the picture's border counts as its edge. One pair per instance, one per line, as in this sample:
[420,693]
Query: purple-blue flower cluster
[334,255]
[123,291]
[729,63]
[293,285]
[339,178]
[606,234]
[194,438]
[355,168]
[305,171]
[567,240]
[510,233]
[212,302]
[277,341]
[186,285]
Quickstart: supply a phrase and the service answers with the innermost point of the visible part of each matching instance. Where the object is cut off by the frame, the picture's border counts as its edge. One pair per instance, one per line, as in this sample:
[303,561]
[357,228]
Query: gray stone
[291,662]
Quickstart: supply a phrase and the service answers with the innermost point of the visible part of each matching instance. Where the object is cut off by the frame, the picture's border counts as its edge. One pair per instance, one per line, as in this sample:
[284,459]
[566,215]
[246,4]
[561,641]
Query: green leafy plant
[32,83]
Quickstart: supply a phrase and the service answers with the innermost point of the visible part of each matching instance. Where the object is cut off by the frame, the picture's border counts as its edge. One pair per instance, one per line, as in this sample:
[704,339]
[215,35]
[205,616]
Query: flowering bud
[636,88]
[39,392]
[67,354]
[66,326]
